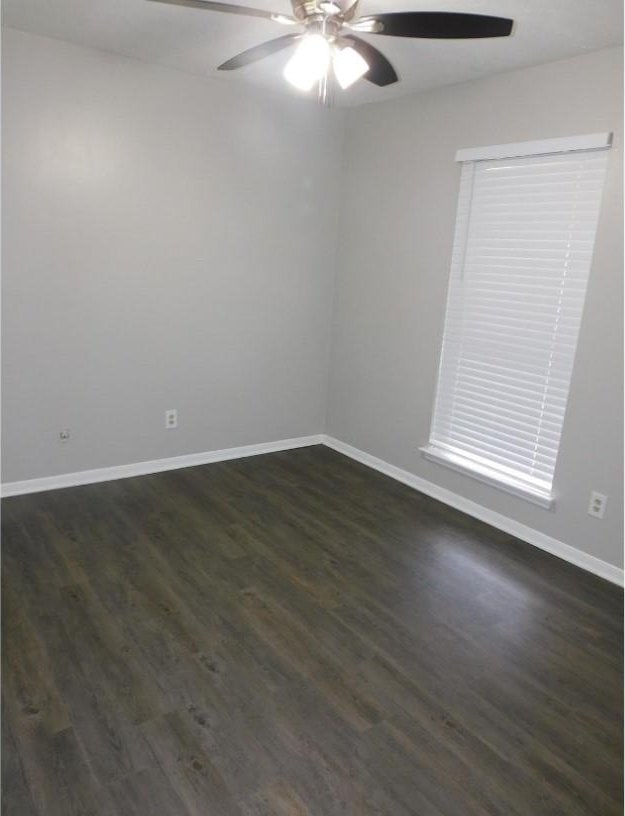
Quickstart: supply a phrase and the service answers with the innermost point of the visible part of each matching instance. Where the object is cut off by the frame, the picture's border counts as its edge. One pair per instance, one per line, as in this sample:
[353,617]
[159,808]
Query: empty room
[312,408]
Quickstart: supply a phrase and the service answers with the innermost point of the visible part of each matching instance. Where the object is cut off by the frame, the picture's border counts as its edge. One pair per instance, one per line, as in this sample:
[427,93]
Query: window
[525,230]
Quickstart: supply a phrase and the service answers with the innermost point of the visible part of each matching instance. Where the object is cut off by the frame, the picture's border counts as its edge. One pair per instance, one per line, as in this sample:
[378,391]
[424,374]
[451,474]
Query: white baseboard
[84,477]
[508,525]
[478,511]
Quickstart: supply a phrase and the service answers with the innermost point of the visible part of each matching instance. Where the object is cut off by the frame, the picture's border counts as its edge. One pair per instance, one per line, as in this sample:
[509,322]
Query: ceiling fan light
[348,66]
[330,7]
[309,63]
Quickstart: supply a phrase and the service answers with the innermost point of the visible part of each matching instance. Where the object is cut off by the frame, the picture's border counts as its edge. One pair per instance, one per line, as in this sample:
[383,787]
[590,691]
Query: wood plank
[297,634]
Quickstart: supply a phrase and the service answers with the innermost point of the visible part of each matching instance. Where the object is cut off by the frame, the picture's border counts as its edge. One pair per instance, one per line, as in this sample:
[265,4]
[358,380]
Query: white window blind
[525,231]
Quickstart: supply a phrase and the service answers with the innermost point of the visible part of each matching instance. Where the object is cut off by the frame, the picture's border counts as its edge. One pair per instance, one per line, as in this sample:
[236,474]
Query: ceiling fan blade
[229,8]
[380,72]
[350,11]
[443,25]
[258,52]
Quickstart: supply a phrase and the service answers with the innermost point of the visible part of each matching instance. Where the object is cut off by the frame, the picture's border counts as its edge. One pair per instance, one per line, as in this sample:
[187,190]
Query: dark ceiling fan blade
[229,8]
[258,52]
[444,25]
[380,72]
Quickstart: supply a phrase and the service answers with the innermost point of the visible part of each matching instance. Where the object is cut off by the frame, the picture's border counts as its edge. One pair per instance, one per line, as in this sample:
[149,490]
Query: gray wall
[168,243]
[171,242]
[400,187]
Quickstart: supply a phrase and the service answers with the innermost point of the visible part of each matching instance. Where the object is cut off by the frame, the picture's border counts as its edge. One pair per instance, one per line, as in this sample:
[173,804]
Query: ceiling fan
[330,38]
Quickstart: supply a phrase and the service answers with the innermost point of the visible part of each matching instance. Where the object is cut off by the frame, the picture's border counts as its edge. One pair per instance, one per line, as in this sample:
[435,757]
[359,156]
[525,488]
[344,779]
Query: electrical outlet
[171,418]
[64,435]
[597,504]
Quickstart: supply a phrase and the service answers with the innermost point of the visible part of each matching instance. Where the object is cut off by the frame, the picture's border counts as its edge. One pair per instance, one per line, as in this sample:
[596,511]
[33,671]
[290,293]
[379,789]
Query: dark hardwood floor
[297,635]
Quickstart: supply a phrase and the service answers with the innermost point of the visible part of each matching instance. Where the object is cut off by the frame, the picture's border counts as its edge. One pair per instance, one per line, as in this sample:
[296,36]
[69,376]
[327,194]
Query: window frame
[436,452]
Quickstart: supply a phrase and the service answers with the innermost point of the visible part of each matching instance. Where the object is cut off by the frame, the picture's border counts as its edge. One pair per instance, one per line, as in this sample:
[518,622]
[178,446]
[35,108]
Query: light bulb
[309,63]
[348,66]
[330,7]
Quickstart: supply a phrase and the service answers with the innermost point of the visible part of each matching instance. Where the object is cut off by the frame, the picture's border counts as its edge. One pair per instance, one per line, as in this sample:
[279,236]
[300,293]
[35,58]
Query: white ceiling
[197,40]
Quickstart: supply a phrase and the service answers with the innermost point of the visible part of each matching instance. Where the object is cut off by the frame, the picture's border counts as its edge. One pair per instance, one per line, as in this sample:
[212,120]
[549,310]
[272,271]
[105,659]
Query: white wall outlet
[64,435]
[597,504]
[171,418]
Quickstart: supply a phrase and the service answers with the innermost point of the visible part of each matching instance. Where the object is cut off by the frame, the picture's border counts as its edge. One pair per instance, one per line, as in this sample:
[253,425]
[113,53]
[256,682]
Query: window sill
[487,476]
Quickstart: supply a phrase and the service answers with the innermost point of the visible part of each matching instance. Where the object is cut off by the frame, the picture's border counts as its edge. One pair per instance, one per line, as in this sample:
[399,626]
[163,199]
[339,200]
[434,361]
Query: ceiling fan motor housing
[311,10]
[327,18]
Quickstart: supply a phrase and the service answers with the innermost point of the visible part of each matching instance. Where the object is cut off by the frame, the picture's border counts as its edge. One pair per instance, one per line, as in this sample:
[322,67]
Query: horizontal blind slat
[535,410]
[525,465]
[525,230]
[491,373]
[466,380]
[549,429]
[499,435]
[536,480]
